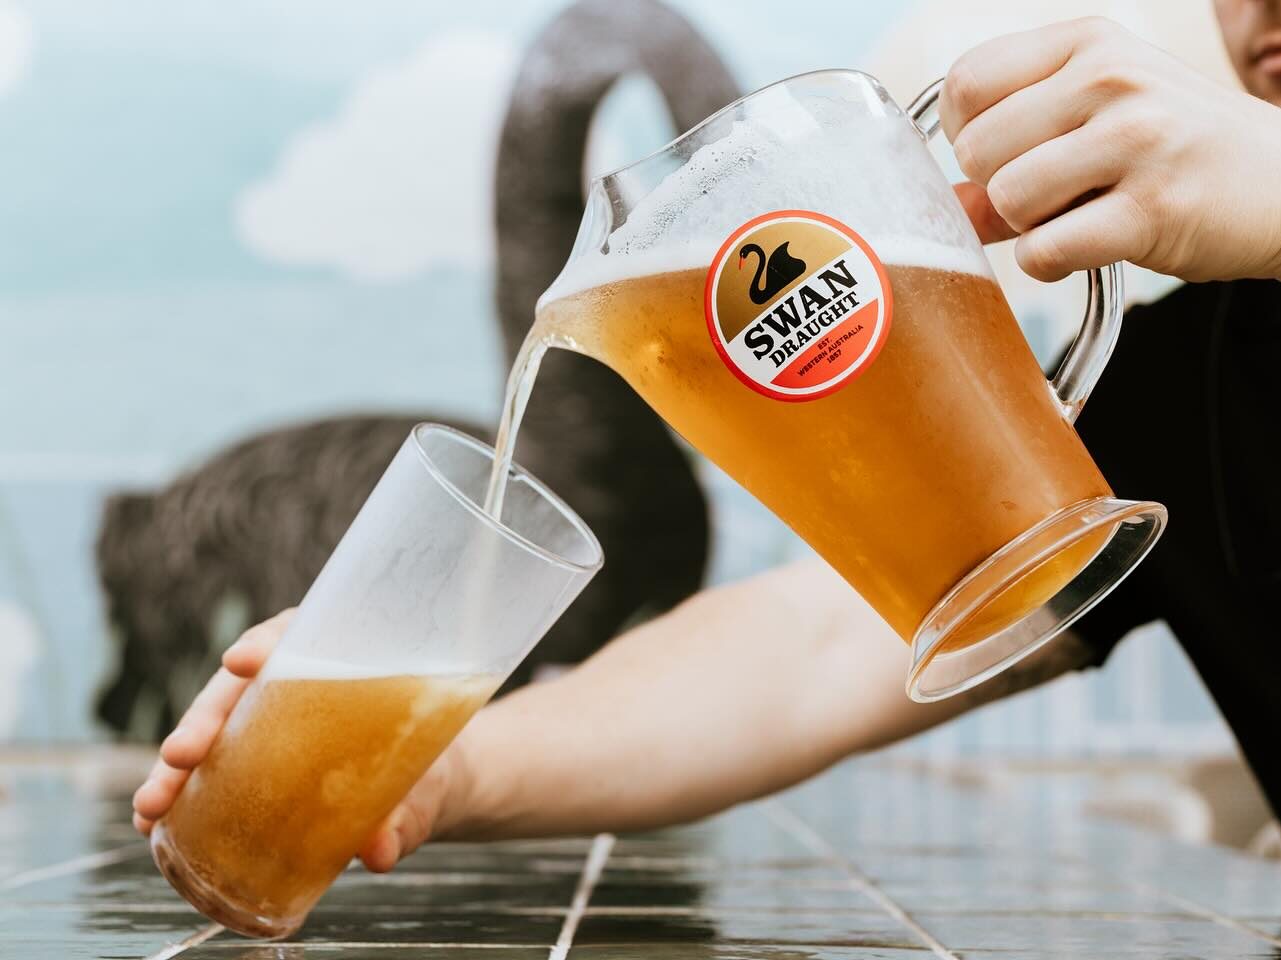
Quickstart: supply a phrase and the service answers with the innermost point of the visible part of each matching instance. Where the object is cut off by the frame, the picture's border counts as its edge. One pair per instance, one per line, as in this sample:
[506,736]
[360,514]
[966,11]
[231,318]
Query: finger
[1022,121]
[190,741]
[381,851]
[1105,230]
[396,837]
[246,656]
[1044,182]
[156,795]
[142,824]
[992,71]
[987,222]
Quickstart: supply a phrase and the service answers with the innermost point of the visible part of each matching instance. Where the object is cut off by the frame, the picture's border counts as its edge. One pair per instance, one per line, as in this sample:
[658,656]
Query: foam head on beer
[827,156]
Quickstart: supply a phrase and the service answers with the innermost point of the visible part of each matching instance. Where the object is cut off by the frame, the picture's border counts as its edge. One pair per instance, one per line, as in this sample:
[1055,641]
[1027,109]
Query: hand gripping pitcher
[794,287]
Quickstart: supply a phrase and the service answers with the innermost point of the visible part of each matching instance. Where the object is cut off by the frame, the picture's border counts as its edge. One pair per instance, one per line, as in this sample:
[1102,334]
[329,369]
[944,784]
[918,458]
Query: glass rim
[862,75]
[514,536]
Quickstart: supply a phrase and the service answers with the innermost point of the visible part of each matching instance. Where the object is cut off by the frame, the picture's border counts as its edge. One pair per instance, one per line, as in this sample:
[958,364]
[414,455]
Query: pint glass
[424,608]
[794,287]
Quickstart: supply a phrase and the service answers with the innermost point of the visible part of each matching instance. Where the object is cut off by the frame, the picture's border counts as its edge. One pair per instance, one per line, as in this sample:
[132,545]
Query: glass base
[214,904]
[1028,592]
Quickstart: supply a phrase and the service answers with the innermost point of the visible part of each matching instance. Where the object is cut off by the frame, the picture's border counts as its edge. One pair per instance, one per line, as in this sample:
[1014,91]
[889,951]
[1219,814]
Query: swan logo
[797,304]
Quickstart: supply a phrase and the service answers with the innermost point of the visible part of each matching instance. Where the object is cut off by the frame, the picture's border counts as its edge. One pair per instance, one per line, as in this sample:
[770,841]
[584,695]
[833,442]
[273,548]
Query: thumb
[988,224]
[383,850]
[403,831]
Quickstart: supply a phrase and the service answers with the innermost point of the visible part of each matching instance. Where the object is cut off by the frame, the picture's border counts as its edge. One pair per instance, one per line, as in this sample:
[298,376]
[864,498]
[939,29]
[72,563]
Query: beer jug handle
[1089,353]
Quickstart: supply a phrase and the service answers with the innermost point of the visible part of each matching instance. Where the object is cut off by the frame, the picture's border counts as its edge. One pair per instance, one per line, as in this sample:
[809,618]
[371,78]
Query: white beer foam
[597,270]
[285,664]
[866,167]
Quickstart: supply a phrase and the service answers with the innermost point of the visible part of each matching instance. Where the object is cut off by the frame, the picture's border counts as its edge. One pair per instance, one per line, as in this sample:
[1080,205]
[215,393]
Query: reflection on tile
[1091,936]
[754,951]
[68,921]
[459,855]
[443,889]
[996,867]
[126,949]
[741,833]
[419,927]
[1037,894]
[728,885]
[836,928]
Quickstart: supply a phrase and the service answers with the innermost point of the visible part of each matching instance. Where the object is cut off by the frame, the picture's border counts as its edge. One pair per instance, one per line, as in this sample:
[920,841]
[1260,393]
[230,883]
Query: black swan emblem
[782,269]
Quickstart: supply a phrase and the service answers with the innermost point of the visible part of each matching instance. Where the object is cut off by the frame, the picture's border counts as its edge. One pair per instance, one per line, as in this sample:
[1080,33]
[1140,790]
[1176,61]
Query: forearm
[740,692]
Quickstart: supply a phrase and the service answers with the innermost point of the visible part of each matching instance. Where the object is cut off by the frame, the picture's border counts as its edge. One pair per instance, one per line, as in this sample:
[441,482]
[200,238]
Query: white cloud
[15,46]
[401,177]
[19,647]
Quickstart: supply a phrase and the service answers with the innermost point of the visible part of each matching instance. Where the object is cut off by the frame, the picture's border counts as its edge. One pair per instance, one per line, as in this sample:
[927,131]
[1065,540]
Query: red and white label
[797,304]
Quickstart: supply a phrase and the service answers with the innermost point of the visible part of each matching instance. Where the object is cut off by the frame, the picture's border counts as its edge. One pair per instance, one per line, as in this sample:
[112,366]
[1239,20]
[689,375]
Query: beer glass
[794,287]
[424,608]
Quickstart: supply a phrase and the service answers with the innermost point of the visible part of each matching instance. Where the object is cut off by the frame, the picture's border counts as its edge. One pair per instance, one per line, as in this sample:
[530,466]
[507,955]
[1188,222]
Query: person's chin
[1266,77]
[1266,85]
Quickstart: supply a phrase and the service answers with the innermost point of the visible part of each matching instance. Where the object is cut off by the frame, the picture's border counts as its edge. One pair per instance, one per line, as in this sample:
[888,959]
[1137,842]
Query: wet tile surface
[875,860]
[357,951]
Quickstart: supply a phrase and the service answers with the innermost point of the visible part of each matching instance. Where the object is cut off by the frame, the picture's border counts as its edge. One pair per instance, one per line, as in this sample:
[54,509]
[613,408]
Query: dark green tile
[357,951]
[61,921]
[754,951]
[1088,936]
[411,925]
[796,927]
[462,889]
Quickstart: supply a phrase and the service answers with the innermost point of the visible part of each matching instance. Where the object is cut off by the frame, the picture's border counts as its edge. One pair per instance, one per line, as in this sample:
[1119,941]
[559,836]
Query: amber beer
[311,761]
[940,452]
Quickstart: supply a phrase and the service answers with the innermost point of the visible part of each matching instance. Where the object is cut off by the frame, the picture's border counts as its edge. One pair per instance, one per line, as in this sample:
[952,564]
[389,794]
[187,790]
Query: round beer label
[797,304]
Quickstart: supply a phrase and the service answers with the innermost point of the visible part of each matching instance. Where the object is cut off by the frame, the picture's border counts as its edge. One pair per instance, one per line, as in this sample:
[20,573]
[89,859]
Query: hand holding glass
[425,607]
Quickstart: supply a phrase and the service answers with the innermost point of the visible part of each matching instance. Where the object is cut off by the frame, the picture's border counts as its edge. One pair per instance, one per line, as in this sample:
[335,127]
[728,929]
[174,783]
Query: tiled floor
[874,860]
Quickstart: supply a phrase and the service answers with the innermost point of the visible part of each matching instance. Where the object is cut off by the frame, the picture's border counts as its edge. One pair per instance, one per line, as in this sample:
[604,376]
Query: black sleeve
[1188,413]
[1124,426]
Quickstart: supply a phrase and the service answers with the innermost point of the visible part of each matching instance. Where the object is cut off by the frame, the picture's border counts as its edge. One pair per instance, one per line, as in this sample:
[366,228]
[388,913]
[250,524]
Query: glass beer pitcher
[794,287]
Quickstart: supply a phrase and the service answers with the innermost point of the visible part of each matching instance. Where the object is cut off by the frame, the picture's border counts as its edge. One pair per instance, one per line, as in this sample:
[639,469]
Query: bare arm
[742,691]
